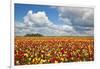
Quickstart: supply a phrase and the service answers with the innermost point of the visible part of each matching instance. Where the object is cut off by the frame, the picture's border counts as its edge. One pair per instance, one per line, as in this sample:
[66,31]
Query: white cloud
[40,23]
[38,19]
[79,18]
[76,21]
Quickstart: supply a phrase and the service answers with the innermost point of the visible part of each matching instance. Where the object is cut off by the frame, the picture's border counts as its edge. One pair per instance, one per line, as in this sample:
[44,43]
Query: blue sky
[22,9]
[53,20]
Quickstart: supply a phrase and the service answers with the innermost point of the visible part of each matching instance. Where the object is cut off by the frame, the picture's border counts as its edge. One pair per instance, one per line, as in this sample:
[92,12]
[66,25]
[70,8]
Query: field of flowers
[44,50]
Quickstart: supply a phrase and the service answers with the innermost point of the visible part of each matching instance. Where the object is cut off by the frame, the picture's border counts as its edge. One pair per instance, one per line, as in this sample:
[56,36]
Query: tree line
[36,35]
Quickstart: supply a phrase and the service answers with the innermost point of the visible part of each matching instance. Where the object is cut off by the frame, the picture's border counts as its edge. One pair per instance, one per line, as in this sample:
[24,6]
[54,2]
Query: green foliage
[36,35]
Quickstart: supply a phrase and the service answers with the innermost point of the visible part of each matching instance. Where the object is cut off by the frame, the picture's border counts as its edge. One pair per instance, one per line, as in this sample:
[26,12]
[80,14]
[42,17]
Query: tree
[36,35]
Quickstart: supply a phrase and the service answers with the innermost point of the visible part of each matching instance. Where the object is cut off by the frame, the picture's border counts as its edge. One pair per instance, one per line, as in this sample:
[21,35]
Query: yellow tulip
[42,56]
[17,62]
[29,59]
[33,60]
[62,59]
[26,54]
[56,61]
[48,54]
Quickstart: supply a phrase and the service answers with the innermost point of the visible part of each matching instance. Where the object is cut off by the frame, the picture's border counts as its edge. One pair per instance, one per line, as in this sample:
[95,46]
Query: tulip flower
[35,50]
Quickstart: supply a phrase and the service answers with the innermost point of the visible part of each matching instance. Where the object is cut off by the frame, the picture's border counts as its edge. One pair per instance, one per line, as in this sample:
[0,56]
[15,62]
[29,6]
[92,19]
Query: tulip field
[45,50]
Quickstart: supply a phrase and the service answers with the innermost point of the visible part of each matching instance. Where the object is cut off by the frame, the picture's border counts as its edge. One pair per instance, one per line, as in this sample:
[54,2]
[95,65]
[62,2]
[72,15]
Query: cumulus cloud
[75,21]
[39,23]
[80,18]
